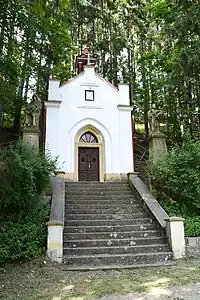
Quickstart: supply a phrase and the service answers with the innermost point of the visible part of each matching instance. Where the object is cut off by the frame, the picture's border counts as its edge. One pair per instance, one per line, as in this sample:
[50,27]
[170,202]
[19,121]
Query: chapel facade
[89,126]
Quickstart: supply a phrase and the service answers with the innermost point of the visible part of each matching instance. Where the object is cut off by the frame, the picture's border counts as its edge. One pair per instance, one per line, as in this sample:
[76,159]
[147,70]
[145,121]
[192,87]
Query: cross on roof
[87,52]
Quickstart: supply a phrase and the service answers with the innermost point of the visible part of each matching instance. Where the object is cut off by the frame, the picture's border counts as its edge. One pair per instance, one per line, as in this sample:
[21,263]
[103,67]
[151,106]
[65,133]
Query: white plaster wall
[52,129]
[74,113]
[123,94]
[126,144]
[54,91]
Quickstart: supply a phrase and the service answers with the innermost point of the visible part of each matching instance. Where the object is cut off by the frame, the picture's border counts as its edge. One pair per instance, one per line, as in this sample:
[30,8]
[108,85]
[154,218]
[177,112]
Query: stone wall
[193,246]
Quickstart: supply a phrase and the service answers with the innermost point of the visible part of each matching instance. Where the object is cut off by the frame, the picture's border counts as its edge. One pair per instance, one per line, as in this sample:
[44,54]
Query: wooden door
[88,164]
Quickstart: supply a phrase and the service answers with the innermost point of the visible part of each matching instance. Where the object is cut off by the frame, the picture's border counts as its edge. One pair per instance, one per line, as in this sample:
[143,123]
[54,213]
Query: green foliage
[34,43]
[24,238]
[178,174]
[192,226]
[192,221]
[173,208]
[24,176]
[151,45]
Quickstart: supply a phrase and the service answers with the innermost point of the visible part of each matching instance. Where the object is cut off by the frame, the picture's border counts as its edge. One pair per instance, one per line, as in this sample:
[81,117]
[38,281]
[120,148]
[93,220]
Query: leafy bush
[24,176]
[191,223]
[173,208]
[177,173]
[192,226]
[24,238]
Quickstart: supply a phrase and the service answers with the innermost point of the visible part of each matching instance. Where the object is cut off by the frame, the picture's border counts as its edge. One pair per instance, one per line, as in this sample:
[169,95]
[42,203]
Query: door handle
[89,165]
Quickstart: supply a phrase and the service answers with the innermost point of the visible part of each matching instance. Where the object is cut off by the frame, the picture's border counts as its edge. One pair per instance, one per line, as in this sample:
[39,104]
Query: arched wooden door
[88,158]
[88,169]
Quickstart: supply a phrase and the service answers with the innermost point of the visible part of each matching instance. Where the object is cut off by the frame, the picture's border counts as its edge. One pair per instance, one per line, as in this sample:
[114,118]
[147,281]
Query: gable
[90,77]
[90,89]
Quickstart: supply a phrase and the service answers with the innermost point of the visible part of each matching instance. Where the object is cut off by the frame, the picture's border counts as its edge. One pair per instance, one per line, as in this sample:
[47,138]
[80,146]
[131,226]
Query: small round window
[88,137]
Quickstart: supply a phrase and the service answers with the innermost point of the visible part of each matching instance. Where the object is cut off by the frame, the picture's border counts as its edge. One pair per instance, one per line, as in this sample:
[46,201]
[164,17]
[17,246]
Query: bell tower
[83,60]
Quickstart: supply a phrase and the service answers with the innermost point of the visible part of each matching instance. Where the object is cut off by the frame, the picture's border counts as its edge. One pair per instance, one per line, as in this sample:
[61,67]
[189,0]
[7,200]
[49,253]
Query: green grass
[42,280]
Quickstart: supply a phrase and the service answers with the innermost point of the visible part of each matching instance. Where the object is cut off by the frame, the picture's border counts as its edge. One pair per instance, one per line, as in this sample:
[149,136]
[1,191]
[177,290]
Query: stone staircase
[106,227]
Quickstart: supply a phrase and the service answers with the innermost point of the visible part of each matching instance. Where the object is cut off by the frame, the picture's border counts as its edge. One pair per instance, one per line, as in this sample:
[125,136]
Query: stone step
[99,193]
[111,235]
[94,184]
[84,268]
[122,259]
[118,228]
[105,216]
[102,197]
[114,242]
[116,250]
[102,206]
[89,222]
[98,189]
[97,185]
[117,210]
[95,201]
[107,227]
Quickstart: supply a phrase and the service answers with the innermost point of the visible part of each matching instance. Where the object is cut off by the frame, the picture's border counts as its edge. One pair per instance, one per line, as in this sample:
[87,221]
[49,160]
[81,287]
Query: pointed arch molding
[104,145]
[93,130]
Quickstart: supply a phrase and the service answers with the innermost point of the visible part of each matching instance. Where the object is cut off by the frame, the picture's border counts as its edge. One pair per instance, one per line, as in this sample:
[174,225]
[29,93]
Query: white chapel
[89,126]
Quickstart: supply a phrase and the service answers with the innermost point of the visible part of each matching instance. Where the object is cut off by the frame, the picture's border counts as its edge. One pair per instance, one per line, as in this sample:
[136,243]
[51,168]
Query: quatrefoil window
[88,137]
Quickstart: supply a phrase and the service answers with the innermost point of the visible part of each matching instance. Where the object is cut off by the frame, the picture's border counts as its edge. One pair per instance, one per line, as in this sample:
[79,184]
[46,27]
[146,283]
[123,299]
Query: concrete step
[105,216]
[116,250]
[94,184]
[97,200]
[114,242]
[117,210]
[84,268]
[98,189]
[99,205]
[106,227]
[111,235]
[106,222]
[99,193]
[122,259]
[101,197]
[118,228]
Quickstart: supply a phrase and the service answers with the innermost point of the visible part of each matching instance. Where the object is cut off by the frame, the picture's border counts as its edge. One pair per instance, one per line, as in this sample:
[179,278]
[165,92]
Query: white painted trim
[89,84]
[89,107]
[52,103]
[107,142]
[125,108]
[106,81]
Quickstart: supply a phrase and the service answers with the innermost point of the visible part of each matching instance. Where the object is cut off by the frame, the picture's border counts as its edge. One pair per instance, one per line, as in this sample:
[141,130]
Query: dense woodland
[153,45]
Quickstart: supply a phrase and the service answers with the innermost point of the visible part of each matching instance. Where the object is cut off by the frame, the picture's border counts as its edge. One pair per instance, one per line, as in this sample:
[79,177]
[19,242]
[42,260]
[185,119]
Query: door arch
[89,143]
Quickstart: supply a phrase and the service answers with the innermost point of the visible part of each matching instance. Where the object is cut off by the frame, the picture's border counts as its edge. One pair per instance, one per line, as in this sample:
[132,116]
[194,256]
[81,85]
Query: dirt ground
[187,292]
[42,280]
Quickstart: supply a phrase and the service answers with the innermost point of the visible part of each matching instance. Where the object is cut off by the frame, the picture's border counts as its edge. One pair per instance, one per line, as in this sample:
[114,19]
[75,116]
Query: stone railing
[172,226]
[193,246]
[56,223]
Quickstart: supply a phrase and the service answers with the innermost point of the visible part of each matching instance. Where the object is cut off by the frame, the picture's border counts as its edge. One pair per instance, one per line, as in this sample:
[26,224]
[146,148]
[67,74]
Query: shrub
[173,208]
[24,176]
[192,226]
[25,238]
[177,173]
[191,223]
